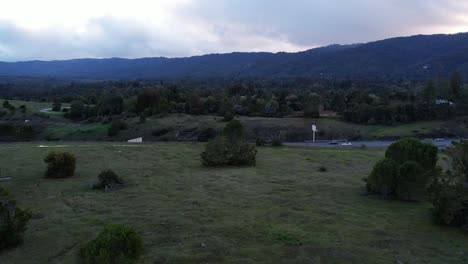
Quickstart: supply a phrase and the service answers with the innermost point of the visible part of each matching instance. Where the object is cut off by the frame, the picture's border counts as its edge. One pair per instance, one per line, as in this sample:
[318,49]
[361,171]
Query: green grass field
[281,211]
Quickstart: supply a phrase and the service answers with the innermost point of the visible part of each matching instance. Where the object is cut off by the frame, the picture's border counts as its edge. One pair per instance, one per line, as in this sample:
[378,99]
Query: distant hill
[414,57]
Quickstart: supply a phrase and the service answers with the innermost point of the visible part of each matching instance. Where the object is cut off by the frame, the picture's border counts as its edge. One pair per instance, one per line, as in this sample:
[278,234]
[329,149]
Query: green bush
[114,244]
[108,180]
[412,149]
[449,199]
[383,177]
[229,148]
[322,169]
[13,221]
[115,127]
[223,152]
[404,172]
[60,164]
[410,181]
[449,193]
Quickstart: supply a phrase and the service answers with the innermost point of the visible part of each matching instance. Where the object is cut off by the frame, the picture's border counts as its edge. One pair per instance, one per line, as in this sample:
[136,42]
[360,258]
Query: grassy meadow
[281,211]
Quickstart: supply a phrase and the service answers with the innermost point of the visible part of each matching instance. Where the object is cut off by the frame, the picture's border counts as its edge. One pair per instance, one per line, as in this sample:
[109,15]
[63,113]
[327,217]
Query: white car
[346,144]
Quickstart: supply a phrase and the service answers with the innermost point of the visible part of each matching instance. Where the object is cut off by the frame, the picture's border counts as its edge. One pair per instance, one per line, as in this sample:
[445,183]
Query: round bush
[108,180]
[449,198]
[60,165]
[410,181]
[223,152]
[412,149]
[114,244]
[383,177]
[13,221]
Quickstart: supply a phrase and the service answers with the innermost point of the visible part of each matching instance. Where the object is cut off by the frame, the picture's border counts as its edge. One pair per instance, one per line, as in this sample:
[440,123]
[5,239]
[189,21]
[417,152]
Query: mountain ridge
[413,57]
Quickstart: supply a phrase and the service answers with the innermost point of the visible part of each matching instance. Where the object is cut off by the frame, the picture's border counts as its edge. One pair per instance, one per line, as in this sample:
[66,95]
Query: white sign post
[314,129]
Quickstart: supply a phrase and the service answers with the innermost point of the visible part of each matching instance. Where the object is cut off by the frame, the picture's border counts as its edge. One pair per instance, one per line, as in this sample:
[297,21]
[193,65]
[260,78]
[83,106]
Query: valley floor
[281,211]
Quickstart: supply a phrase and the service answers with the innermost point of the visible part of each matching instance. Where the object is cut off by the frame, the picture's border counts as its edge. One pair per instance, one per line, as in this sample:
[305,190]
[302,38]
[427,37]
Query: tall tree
[455,86]
[429,93]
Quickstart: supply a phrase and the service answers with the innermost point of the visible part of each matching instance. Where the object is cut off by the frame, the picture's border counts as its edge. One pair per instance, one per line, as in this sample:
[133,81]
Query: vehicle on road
[346,144]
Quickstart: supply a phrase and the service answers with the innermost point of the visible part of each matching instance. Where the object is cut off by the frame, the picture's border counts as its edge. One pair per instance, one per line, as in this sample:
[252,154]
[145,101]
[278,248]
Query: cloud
[176,28]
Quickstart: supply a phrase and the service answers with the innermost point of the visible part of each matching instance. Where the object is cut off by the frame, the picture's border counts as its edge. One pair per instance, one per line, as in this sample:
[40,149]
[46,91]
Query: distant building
[135,140]
[443,101]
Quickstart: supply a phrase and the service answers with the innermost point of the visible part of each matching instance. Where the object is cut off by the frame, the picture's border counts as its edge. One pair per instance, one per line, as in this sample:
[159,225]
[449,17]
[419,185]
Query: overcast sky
[65,29]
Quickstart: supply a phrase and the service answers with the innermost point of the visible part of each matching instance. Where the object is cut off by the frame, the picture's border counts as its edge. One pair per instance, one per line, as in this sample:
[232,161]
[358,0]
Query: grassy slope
[281,211]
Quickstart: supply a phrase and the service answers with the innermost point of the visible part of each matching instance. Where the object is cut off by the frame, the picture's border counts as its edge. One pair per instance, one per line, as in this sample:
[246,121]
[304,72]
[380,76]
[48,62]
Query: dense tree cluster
[365,101]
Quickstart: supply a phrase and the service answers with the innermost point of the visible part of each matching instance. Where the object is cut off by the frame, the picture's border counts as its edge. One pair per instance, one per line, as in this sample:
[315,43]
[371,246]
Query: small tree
[114,244]
[60,165]
[13,221]
[56,106]
[115,127]
[77,109]
[229,148]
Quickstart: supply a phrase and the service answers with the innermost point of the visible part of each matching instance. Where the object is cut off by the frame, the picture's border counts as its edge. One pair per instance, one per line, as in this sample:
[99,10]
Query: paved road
[440,143]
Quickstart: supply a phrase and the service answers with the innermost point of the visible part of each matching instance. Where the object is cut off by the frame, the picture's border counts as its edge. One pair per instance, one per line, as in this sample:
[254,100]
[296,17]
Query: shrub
[115,127]
[404,172]
[322,169]
[108,180]
[229,148]
[114,244]
[13,221]
[410,181]
[382,179]
[222,152]
[412,149]
[60,164]
[449,193]
[449,198]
